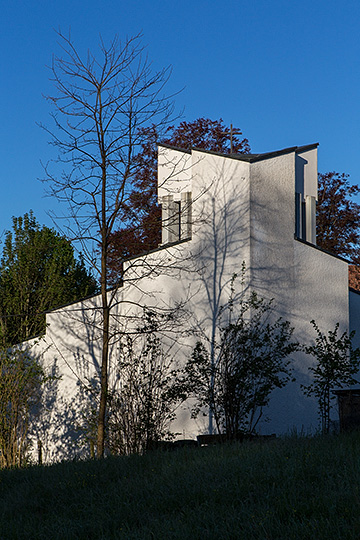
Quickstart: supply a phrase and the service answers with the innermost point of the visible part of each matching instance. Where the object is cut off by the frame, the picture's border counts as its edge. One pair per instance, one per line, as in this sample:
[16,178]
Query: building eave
[321,249]
[249,158]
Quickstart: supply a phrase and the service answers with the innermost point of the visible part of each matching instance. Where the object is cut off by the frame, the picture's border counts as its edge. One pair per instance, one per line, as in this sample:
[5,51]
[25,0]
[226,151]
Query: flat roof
[250,158]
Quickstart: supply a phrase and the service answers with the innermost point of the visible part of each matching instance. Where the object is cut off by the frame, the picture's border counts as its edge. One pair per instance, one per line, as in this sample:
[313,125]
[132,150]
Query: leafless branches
[100,106]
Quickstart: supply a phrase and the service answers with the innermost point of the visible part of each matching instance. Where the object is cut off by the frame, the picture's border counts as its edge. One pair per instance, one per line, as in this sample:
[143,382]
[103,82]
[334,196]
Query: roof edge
[250,158]
[171,147]
[321,249]
[355,291]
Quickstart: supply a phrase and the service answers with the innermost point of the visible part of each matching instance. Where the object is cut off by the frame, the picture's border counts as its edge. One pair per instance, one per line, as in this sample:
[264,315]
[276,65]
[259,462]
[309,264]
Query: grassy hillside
[283,489]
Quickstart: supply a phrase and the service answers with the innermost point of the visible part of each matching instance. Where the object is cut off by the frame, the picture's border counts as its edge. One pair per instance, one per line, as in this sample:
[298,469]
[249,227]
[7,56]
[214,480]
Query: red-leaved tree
[338,217]
[338,220]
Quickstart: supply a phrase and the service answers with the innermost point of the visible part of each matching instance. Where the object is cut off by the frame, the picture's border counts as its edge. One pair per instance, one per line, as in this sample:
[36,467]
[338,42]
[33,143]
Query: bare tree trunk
[104,299]
[103,384]
[103,107]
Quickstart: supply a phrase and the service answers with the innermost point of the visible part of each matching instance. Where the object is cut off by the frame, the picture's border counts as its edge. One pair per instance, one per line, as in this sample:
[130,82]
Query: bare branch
[101,106]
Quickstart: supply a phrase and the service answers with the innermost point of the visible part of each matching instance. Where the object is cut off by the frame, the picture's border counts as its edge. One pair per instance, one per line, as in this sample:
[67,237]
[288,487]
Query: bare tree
[101,107]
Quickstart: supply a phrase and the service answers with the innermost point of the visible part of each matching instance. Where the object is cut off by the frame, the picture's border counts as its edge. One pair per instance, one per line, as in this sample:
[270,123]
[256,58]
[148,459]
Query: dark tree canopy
[338,220]
[38,272]
[208,135]
[338,216]
[142,213]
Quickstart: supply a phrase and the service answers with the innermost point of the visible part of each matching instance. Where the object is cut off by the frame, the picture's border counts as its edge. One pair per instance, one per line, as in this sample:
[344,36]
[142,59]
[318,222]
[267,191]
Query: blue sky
[287,73]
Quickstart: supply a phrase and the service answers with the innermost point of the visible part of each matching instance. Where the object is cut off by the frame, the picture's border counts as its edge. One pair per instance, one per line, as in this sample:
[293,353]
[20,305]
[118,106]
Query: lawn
[291,488]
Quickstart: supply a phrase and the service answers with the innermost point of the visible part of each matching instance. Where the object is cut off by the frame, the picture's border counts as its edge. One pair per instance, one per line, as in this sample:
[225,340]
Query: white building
[218,212]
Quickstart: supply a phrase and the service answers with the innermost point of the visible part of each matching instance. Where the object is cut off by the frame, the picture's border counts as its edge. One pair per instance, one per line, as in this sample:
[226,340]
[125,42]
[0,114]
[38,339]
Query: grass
[295,488]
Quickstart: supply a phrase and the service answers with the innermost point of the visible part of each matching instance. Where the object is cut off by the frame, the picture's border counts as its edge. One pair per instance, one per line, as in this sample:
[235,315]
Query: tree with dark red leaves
[338,220]
[338,217]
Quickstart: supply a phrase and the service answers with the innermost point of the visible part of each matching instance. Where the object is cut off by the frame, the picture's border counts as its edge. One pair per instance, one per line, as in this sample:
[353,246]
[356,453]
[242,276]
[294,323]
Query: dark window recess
[349,409]
[305,218]
[300,217]
[176,218]
[177,221]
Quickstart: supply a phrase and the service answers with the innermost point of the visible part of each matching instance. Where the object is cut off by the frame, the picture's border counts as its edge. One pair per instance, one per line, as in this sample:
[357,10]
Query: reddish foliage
[208,135]
[338,220]
[142,213]
[338,217]
[354,277]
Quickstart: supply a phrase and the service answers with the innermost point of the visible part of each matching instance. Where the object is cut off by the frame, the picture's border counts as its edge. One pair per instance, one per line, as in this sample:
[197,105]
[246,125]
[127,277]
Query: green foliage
[20,382]
[336,364]
[38,272]
[251,361]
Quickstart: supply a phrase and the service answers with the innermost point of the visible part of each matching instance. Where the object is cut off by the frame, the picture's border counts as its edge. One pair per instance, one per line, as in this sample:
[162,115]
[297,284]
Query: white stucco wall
[174,172]
[306,172]
[304,282]
[320,293]
[272,228]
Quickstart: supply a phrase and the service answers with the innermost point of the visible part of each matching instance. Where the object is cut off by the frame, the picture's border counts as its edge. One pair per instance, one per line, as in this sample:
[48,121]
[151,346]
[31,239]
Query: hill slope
[284,489]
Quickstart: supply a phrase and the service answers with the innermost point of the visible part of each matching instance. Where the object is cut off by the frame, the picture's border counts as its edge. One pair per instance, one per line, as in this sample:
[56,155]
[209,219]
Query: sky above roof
[286,73]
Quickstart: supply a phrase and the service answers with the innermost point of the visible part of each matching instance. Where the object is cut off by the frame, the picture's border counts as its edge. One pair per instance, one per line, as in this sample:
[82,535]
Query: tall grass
[295,488]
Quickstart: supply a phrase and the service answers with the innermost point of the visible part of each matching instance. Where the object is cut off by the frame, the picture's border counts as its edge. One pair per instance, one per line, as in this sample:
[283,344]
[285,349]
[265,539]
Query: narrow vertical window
[170,218]
[176,218]
[298,216]
[310,204]
[305,218]
[176,225]
[186,215]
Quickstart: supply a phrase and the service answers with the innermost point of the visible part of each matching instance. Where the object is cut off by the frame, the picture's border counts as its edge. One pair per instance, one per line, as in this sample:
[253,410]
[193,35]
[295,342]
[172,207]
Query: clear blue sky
[287,73]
